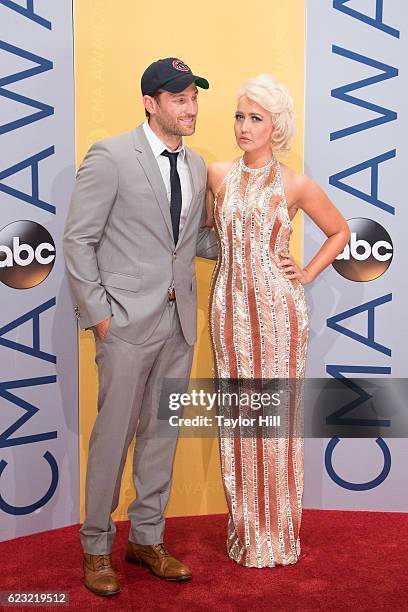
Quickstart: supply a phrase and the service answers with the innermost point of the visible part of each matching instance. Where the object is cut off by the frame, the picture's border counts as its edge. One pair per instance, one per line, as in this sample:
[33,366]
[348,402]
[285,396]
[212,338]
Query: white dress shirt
[158,147]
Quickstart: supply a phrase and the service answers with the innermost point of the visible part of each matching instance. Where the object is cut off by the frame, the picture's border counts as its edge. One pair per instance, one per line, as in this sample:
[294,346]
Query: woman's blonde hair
[274,97]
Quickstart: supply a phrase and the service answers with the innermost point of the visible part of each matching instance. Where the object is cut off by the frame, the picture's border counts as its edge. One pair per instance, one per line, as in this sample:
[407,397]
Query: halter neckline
[255,170]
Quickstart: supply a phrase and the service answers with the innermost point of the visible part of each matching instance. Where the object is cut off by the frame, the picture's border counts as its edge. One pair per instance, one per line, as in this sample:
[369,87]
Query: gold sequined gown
[259,330]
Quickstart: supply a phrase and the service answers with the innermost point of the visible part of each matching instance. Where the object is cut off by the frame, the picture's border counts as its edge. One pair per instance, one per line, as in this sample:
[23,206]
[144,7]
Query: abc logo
[27,254]
[368,254]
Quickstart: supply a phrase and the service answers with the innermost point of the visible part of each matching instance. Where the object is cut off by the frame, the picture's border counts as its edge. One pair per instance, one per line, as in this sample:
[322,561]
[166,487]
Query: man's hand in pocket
[102,328]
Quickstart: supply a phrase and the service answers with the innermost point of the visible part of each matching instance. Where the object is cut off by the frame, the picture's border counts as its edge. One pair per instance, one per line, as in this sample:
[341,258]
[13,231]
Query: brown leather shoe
[158,560]
[100,577]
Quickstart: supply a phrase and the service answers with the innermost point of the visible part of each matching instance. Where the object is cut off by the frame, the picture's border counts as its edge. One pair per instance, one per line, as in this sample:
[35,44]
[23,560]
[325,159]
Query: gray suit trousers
[130,380]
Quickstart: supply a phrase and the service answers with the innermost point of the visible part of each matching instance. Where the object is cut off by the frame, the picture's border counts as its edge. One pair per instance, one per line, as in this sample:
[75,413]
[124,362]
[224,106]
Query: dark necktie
[175,200]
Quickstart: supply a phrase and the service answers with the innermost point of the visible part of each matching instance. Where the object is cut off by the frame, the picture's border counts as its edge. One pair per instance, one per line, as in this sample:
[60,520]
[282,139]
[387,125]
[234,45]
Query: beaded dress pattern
[259,330]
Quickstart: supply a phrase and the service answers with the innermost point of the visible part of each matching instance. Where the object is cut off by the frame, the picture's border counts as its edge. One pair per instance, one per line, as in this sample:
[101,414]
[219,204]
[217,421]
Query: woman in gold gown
[258,316]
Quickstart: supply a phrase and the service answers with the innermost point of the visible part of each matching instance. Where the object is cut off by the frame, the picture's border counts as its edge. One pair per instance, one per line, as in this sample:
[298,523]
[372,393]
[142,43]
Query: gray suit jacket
[118,242]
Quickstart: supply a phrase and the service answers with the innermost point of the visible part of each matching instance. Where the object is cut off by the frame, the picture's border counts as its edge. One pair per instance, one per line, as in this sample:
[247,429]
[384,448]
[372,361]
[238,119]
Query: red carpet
[350,561]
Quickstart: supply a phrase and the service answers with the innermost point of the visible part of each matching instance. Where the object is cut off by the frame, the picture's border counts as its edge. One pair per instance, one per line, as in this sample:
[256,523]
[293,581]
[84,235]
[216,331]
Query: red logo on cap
[179,65]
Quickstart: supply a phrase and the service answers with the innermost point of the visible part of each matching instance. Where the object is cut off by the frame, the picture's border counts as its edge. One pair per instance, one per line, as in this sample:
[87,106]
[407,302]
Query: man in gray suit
[135,225]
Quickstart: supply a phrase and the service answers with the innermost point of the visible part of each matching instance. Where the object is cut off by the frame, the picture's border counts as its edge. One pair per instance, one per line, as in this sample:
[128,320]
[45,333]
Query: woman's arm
[216,172]
[209,201]
[315,203]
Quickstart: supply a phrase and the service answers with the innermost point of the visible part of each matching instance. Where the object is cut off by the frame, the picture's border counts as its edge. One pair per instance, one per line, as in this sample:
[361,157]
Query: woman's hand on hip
[292,271]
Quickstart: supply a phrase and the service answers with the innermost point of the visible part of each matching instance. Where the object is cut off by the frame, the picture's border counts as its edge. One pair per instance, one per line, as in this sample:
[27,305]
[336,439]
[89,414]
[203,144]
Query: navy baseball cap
[170,74]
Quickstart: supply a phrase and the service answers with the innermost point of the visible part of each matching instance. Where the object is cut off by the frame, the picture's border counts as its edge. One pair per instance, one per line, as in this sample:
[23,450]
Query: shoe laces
[161,549]
[102,562]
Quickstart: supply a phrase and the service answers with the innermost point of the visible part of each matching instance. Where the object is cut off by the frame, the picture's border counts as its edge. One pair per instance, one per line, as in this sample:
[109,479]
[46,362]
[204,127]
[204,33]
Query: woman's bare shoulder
[295,181]
[216,174]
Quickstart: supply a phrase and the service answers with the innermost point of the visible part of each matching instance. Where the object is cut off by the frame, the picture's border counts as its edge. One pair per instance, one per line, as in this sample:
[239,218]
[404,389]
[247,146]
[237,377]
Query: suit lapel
[153,174]
[195,188]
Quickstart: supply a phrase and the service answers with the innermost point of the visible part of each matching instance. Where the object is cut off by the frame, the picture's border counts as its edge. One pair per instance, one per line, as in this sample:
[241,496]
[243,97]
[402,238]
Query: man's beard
[173,128]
